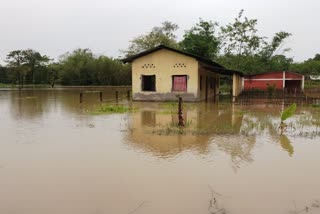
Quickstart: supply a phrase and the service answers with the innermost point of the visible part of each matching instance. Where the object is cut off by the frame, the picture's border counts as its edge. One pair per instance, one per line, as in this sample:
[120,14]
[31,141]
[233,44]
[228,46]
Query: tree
[244,50]
[81,67]
[4,74]
[240,37]
[34,60]
[163,35]
[308,67]
[75,67]
[23,65]
[201,40]
[16,60]
[53,73]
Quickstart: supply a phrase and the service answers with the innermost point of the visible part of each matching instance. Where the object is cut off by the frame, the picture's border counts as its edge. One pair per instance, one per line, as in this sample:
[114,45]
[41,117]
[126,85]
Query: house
[279,79]
[162,73]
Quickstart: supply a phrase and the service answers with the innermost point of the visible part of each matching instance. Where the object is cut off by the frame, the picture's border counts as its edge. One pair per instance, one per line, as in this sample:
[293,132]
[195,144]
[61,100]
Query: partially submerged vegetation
[287,113]
[112,109]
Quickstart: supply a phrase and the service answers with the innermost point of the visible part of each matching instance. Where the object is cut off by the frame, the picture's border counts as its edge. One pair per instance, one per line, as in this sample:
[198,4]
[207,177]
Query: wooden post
[81,97]
[100,96]
[180,113]
[128,94]
[117,95]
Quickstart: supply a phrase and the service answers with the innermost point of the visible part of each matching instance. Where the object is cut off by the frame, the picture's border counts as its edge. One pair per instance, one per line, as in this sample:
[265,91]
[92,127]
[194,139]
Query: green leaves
[288,112]
[247,51]
[82,67]
[163,35]
[201,40]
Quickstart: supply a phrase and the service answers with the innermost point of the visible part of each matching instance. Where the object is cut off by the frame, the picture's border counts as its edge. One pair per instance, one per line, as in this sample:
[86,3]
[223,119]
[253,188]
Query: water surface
[58,158]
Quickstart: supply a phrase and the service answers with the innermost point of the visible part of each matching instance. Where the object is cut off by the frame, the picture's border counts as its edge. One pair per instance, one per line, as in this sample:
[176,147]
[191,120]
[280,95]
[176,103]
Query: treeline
[80,67]
[236,45]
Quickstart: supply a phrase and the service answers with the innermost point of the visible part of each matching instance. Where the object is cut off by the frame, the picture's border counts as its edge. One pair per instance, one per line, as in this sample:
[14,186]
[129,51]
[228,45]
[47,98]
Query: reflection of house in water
[209,127]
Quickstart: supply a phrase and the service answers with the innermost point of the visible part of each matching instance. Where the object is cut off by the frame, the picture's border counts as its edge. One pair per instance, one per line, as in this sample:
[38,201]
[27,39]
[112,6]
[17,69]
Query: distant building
[315,77]
[280,79]
[162,73]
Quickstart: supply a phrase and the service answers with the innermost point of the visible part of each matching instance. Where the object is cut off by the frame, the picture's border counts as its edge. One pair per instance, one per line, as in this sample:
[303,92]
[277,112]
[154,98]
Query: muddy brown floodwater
[58,158]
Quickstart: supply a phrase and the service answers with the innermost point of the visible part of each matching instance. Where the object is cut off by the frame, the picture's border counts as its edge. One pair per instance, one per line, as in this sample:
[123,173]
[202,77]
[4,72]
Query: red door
[179,83]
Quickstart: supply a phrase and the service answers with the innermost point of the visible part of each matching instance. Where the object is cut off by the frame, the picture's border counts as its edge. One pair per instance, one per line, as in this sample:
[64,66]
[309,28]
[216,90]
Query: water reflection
[153,129]
[121,160]
[286,144]
[234,130]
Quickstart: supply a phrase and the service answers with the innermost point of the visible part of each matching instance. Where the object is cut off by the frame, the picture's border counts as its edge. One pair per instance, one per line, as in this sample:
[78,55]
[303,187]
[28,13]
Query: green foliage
[111,109]
[240,37]
[288,112]
[315,105]
[271,89]
[308,67]
[81,67]
[163,35]
[225,88]
[244,50]
[26,66]
[201,40]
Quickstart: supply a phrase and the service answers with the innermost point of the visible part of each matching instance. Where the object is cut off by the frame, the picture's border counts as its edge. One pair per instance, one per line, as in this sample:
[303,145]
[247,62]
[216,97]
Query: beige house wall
[164,64]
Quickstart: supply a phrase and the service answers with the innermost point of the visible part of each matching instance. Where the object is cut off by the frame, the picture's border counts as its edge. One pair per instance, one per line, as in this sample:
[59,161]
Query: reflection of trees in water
[32,104]
[238,147]
[29,104]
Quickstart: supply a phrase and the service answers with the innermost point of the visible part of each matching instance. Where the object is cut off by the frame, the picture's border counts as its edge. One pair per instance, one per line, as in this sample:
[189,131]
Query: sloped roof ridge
[159,47]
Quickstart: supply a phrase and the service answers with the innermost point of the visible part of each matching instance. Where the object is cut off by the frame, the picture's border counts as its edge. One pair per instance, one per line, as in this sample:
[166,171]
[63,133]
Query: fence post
[117,95]
[180,113]
[81,96]
[100,93]
[128,94]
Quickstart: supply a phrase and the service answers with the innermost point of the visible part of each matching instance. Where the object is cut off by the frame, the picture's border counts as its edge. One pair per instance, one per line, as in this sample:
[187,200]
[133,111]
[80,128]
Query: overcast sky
[54,27]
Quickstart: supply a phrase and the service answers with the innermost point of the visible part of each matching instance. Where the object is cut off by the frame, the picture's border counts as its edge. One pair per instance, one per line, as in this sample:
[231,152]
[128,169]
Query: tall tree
[75,67]
[201,40]
[246,51]
[24,64]
[240,37]
[33,59]
[162,35]
[16,61]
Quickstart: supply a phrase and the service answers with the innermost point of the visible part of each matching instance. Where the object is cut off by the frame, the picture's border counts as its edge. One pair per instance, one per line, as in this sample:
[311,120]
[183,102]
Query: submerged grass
[315,105]
[112,109]
[173,128]
[4,85]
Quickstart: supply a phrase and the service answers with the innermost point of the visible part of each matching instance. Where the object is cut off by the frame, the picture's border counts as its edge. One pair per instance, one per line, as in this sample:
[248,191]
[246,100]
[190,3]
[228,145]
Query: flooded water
[58,158]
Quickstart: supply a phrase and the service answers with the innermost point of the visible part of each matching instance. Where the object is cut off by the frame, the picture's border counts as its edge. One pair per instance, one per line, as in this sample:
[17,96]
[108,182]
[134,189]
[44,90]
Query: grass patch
[112,109]
[4,85]
[172,128]
[30,98]
[315,105]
